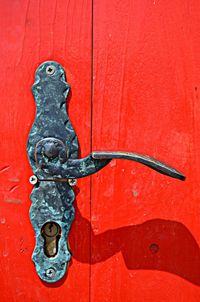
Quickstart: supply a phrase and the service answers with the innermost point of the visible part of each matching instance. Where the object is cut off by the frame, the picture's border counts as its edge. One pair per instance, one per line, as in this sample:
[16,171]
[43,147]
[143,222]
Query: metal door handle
[143,159]
[77,168]
[53,154]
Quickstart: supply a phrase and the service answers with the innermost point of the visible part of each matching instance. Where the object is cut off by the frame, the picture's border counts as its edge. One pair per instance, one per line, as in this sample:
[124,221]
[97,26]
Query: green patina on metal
[51,201]
[53,154]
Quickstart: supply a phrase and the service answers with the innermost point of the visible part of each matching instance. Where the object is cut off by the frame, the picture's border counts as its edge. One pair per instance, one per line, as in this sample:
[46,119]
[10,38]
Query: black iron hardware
[53,154]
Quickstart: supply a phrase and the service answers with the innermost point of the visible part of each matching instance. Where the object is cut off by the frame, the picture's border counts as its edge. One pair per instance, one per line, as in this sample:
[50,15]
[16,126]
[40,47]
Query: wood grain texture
[145,240]
[144,227]
[32,32]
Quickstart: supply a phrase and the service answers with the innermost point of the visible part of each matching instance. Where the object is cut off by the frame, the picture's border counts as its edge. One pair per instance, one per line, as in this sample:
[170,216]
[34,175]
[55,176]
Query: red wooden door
[134,69]
[33,32]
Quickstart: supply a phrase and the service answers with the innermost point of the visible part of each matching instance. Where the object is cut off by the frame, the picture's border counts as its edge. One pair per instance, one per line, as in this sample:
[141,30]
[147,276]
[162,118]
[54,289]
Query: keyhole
[51,232]
[50,227]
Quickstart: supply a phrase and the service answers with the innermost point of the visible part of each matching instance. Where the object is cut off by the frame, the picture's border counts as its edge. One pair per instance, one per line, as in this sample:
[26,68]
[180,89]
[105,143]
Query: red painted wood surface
[32,32]
[146,227]
[139,240]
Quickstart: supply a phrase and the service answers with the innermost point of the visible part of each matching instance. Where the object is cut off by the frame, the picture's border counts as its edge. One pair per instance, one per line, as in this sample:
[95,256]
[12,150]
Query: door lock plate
[53,155]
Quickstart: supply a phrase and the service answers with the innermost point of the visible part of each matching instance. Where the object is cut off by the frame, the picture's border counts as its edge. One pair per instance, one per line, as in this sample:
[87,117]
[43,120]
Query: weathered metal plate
[51,201]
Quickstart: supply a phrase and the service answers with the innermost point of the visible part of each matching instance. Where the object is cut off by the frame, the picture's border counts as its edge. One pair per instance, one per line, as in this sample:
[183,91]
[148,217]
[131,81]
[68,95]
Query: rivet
[72,182]
[50,70]
[33,180]
[50,272]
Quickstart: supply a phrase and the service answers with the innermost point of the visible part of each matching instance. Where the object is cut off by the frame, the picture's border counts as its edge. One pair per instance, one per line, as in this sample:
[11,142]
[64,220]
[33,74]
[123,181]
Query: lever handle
[140,158]
[52,159]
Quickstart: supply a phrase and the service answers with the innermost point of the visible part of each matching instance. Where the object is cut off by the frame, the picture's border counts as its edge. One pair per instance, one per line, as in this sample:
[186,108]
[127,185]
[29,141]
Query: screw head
[50,272]
[50,70]
[33,180]
[72,182]
[154,248]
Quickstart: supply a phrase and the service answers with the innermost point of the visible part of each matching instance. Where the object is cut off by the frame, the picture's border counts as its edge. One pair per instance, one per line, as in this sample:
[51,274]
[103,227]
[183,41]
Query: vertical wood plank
[145,226]
[32,32]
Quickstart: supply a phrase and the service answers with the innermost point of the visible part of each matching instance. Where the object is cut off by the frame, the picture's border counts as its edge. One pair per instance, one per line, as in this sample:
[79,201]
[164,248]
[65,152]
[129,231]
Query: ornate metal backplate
[52,201]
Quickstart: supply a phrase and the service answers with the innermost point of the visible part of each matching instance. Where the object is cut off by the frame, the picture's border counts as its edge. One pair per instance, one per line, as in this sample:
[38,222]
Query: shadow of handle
[157,244]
